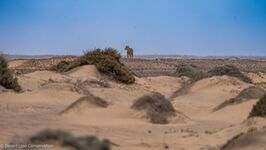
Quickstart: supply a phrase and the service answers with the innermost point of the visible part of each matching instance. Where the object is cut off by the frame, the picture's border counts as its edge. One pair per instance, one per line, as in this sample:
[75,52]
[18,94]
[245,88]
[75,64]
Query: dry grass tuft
[158,109]
[66,139]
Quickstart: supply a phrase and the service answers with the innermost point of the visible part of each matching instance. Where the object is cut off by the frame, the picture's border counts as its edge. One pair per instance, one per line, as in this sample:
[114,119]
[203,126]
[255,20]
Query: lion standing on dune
[130,52]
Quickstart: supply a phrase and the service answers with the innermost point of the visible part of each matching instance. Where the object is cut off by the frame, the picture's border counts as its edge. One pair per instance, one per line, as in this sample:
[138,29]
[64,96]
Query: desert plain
[47,101]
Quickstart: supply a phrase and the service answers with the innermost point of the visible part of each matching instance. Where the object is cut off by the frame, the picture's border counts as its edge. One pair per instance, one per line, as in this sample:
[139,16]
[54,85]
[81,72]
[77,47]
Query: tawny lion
[130,52]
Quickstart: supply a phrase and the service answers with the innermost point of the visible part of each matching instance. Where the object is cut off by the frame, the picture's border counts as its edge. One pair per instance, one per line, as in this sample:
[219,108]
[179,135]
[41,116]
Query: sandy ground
[46,94]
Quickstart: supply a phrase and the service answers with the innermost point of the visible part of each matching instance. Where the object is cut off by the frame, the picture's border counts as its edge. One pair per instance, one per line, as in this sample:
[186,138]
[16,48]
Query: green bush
[191,71]
[6,78]
[116,70]
[112,52]
[229,70]
[97,55]
[66,139]
[259,109]
[107,61]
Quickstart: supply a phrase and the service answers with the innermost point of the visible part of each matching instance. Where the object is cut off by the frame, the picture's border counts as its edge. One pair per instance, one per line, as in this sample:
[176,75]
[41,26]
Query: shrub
[231,141]
[259,109]
[260,85]
[66,139]
[6,78]
[245,95]
[61,66]
[106,61]
[229,70]
[112,52]
[115,70]
[191,71]
[97,55]
[158,109]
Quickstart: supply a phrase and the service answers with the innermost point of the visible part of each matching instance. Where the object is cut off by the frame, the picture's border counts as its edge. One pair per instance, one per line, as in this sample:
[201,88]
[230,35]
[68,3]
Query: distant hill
[198,57]
[11,57]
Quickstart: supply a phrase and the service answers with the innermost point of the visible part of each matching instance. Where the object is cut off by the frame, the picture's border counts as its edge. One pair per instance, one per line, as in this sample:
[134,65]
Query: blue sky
[190,27]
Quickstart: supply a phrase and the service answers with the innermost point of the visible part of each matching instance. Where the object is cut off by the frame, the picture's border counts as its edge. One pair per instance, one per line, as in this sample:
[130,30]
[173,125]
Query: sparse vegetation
[158,109]
[7,80]
[252,129]
[229,70]
[183,90]
[245,95]
[61,66]
[66,139]
[196,74]
[191,71]
[231,141]
[259,109]
[261,85]
[107,61]
[253,139]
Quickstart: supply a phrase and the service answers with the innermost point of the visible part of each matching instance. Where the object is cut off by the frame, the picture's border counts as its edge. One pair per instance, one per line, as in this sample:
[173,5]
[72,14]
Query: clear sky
[190,27]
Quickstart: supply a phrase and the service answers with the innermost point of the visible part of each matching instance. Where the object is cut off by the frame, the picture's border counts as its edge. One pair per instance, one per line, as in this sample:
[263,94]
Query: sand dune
[247,141]
[85,103]
[206,94]
[245,95]
[84,72]
[46,94]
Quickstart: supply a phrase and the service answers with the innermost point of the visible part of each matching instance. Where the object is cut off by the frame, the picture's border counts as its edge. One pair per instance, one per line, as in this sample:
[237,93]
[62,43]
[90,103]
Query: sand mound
[225,83]
[2,89]
[183,90]
[229,70]
[84,72]
[85,102]
[217,81]
[156,107]
[37,79]
[44,75]
[252,140]
[245,95]
[163,84]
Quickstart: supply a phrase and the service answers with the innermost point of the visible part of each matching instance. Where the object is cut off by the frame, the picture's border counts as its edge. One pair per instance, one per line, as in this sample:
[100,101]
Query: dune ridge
[194,126]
